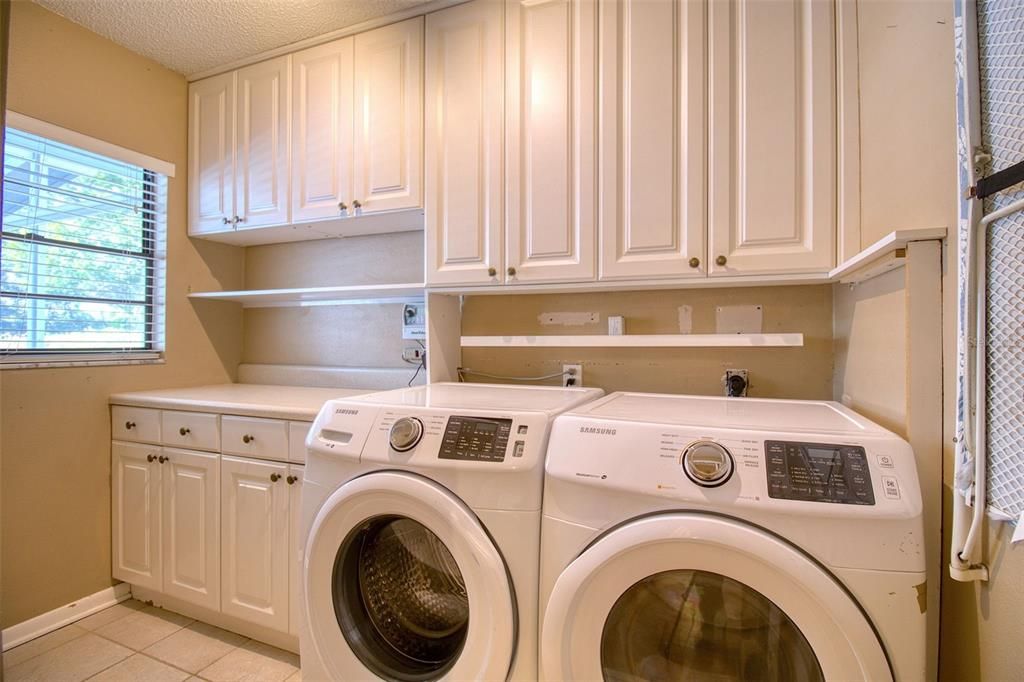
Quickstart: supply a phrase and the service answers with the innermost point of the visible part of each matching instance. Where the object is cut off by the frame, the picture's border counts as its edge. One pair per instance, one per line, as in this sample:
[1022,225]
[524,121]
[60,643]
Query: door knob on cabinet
[511,272]
[274,478]
[226,220]
[695,262]
[239,219]
[342,206]
[248,439]
[291,479]
[150,458]
[721,260]
[129,425]
[492,272]
[357,204]
[164,459]
[184,431]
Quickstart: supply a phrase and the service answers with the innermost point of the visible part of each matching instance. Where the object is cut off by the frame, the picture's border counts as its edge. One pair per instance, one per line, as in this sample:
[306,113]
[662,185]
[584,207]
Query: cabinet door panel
[652,133]
[388,76]
[136,515]
[551,108]
[255,550]
[262,139]
[211,172]
[297,543]
[322,131]
[772,156]
[191,527]
[464,113]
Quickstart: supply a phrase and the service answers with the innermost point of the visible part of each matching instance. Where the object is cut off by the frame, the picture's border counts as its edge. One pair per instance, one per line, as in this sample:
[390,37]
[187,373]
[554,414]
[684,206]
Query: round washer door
[689,596]
[404,583]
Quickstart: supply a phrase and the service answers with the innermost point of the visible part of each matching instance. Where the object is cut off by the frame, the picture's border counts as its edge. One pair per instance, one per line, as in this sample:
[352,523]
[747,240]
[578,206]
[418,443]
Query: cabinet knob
[275,477]
[695,262]
[129,425]
[164,459]
[357,204]
[239,219]
[150,458]
[226,220]
[248,439]
[342,206]
[291,480]
[184,431]
[721,260]
[511,272]
[492,272]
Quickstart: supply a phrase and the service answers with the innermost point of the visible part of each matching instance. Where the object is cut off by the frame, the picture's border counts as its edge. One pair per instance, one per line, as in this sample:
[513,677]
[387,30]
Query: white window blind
[82,260]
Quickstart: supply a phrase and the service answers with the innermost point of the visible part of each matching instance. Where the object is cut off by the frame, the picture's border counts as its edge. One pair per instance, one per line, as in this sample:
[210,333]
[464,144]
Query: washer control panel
[818,472]
[476,439]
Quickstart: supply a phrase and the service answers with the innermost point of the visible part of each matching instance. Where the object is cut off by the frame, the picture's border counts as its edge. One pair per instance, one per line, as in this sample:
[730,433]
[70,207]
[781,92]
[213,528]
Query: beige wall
[56,433]
[775,372]
[334,336]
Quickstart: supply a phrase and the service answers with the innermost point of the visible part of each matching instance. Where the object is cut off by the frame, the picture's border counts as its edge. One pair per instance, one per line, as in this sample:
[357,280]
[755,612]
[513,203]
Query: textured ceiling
[190,36]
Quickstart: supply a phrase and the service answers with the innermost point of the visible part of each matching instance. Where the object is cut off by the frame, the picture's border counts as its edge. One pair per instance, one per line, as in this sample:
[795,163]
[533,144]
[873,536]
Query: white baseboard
[64,615]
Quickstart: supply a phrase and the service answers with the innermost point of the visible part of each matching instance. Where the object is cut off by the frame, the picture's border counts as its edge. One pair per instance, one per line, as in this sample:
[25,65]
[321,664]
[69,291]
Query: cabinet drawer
[297,440]
[138,424]
[251,437]
[192,430]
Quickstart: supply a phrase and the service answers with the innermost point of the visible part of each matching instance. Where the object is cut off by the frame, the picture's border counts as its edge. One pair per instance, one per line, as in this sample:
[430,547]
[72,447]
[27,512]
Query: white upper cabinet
[388,96]
[551,112]
[211,172]
[322,131]
[652,139]
[261,143]
[463,146]
[772,165]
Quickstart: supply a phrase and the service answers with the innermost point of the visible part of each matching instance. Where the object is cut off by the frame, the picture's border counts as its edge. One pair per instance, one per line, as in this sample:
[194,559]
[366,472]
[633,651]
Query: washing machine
[730,539]
[421,513]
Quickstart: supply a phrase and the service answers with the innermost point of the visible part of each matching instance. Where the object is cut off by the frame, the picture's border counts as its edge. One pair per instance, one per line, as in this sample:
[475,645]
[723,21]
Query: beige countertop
[299,403]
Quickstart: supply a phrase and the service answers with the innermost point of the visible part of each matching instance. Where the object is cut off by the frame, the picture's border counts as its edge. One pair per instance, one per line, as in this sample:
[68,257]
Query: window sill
[57,361]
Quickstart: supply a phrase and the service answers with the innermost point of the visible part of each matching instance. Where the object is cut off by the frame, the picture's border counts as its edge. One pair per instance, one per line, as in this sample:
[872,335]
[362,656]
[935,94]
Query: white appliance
[421,513]
[730,538]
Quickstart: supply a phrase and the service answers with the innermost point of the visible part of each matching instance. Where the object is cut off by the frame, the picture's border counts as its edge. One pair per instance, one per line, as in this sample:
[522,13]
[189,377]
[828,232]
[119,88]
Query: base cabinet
[191,526]
[254,497]
[216,531]
[136,514]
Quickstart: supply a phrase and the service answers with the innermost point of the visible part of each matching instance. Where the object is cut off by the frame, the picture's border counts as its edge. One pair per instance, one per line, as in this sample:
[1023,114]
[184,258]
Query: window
[81,266]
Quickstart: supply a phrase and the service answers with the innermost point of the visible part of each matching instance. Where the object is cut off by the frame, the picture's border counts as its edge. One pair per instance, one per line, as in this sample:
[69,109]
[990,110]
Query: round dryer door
[404,583]
[687,596]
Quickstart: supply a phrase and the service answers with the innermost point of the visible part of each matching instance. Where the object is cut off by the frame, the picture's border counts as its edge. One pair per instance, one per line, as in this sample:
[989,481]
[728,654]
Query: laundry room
[511,340]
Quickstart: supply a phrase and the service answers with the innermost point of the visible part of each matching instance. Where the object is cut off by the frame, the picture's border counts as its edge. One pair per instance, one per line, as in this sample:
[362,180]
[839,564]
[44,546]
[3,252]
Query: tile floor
[134,642]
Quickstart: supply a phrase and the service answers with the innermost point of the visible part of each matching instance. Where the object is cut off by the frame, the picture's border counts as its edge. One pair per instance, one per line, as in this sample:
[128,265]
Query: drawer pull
[248,439]
[721,260]
[129,425]
[291,480]
[150,458]
[184,430]
[274,478]
[164,459]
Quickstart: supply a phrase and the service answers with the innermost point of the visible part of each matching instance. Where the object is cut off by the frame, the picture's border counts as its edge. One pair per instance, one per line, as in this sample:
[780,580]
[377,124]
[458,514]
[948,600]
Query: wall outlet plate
[414,321]
[572,376]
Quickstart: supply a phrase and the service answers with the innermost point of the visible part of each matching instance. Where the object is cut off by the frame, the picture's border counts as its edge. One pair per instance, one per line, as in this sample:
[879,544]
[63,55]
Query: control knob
[405,434]
[707,463]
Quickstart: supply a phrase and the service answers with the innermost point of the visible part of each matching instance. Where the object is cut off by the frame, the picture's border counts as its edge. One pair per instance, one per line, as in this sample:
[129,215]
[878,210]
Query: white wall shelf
[637,341]
[886,254]
[316,296]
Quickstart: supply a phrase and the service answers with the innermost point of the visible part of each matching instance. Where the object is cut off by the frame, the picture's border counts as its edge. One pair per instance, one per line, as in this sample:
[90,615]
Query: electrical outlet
[572,375]
[414,354]
[736,383]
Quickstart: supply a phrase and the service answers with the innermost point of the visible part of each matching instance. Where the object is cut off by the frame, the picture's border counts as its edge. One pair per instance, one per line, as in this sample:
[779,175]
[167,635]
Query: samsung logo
[597,430]
[342,410]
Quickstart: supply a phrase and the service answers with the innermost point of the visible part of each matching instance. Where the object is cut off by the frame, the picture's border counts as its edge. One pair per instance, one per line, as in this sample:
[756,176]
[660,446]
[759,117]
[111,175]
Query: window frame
[156,174]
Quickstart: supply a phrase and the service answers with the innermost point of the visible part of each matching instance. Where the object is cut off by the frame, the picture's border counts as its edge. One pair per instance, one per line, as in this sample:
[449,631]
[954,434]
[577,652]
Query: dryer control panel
[477,439]
[818,472]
